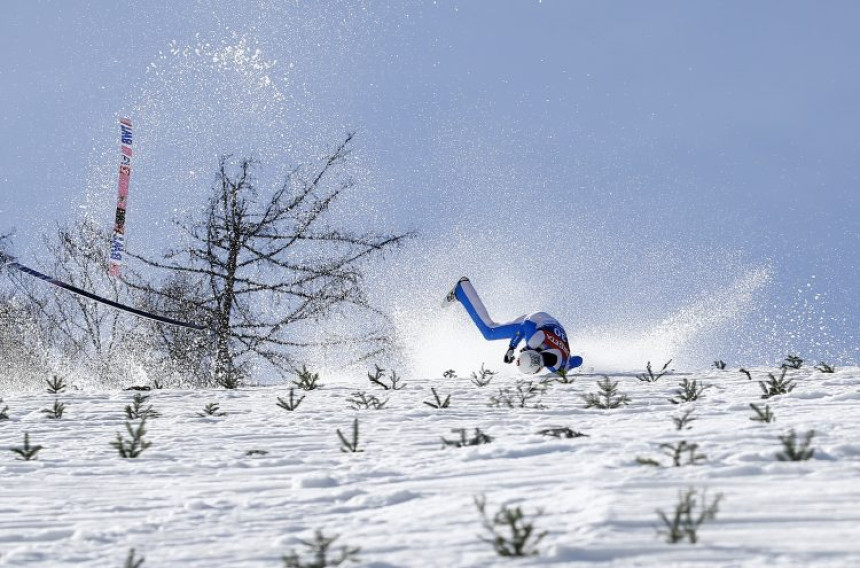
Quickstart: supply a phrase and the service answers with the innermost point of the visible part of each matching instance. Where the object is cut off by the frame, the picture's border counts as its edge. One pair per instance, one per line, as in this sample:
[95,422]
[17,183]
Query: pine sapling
[792,451]
[720,364]
[512,533]
[212,409]
[688,516]
[682,422]
[440,403]
[482,377]
[521,396]
[56,385]
[136,445]
[450,374]
[563,376]
[362,401]
[307,380]
[776,386]
[823,367]
[747,373]
[56,411]
[27,452]
[792,362]
[687,391]
[762,415]
[4,412]
[678,451]
[131,561]
[136,410]
[649,376]
[292,402]
[607,397]
[476,440]
[320,553]
[377,376]
[349,445]
[564,432]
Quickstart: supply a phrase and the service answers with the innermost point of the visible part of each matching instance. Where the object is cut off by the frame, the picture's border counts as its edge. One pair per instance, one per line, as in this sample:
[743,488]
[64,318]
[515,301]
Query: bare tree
[85,334]
[269,264]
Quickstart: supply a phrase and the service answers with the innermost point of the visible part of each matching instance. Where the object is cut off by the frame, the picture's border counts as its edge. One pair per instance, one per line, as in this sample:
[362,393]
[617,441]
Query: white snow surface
[195,499]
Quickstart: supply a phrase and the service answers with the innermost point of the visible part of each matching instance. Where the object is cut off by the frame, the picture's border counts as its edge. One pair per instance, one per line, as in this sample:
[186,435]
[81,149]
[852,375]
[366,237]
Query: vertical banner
[117,246]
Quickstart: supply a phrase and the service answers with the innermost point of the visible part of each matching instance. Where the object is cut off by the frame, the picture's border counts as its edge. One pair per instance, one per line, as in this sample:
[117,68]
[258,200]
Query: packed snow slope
[201,496]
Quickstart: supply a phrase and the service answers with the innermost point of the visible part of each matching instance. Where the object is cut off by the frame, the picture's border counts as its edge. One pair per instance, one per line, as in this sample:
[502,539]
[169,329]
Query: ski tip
[574,362]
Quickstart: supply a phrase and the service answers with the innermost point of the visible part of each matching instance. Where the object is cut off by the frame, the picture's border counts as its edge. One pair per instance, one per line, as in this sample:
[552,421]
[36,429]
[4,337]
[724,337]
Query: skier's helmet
[529,362]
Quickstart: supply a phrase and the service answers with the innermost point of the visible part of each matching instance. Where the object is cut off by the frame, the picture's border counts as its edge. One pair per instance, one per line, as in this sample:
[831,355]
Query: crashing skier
[546,341]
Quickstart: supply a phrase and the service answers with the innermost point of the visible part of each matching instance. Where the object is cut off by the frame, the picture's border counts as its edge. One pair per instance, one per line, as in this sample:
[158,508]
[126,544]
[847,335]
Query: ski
[12,263]
[117,247]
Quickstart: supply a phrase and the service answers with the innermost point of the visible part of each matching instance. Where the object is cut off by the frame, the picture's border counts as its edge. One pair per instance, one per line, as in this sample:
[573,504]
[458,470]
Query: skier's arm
[515,340]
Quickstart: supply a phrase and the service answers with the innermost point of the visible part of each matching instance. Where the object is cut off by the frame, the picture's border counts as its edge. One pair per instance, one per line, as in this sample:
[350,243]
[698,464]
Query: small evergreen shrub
[677,452]
[212,409]
[774,387]
[307,381]
[137,411]
[440,403]
[522,395]
[563,376]
[256,452]
[377,376]
[27,452]
[157,384]
[363,401]
[482,377]
[230,379]
[649,376]
[682,422]
[512,533]
[56,385]
[476,440]
[349,445]
[131,561]
[56,411]
[292,402]
[688,516]
[450,374]
[4,412]
[561,433]
[320,553]
[792,362]
[762,415]
[791,451]
[608,396]
[747,373]
[135,446]
[823,367]
[720,364]
[687,391]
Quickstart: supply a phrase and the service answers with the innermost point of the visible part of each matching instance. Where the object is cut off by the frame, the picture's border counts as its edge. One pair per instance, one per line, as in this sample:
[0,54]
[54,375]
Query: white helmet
[529,362]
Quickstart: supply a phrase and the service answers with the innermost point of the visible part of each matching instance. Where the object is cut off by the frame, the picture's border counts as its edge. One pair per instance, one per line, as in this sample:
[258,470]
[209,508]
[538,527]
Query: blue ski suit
[541,331]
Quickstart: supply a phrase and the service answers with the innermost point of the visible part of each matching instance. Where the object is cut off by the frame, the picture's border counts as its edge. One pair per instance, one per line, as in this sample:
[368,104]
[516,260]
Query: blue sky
[613,162]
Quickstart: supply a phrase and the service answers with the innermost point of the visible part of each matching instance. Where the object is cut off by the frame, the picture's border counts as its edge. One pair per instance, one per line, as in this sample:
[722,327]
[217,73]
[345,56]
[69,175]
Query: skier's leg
[468,296]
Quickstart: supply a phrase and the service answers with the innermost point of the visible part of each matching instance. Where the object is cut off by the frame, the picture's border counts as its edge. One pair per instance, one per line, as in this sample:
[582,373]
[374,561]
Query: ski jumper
[541,331]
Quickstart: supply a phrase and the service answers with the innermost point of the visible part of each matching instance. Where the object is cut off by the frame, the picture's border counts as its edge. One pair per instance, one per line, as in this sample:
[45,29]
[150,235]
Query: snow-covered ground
[196,499]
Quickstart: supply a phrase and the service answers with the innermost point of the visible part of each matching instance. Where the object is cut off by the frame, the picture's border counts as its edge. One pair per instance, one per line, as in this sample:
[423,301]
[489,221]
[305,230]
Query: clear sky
[618,162]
